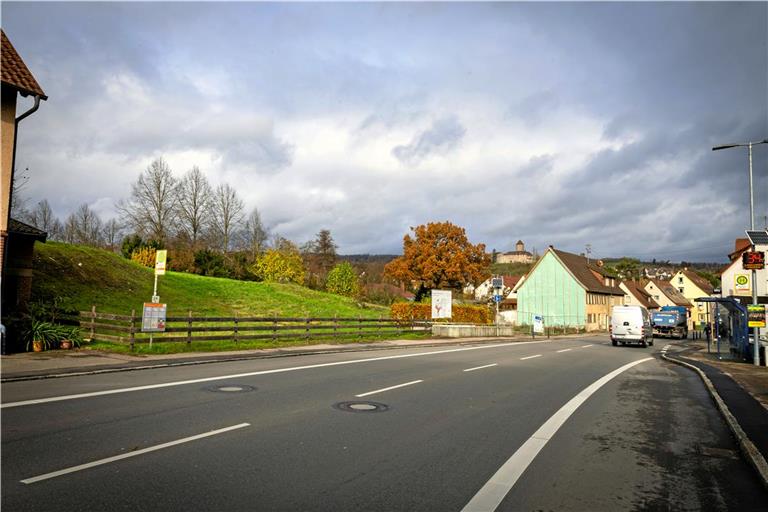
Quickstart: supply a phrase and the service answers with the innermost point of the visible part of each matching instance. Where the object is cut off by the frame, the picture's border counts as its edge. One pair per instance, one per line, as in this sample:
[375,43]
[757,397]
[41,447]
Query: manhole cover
[361,406]
[230,388]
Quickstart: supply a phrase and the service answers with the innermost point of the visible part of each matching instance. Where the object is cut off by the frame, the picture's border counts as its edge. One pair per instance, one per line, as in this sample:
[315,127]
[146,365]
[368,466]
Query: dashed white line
[564,350]
[88,465]
[38,401]
[586,346]
[361,395]
[530,357]
[480,367]
[493,492]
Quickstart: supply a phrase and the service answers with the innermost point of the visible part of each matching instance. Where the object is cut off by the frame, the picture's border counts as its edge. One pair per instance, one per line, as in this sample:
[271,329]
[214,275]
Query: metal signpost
[153,318]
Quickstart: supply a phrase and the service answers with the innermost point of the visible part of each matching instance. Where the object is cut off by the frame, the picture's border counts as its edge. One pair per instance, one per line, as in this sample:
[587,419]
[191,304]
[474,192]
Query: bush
[210,263]
[342,280]
[144,256]
[466,314]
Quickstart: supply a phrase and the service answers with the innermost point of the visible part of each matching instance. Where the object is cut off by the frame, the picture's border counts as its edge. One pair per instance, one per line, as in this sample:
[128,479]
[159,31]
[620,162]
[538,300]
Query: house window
[679,280]
[681,289]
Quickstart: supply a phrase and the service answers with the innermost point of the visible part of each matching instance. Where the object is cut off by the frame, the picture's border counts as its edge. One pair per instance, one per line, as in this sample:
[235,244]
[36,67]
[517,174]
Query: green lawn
[84,276]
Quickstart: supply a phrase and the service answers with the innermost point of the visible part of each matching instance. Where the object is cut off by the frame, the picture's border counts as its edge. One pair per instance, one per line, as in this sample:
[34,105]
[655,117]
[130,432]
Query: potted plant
[70,336]
[41,335]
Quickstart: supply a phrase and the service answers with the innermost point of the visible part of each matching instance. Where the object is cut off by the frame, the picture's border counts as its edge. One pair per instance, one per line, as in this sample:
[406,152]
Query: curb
[749,450]
[247,357]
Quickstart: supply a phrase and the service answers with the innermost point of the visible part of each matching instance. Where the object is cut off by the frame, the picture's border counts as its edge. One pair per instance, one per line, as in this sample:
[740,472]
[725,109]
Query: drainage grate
[230,388]
[361,406]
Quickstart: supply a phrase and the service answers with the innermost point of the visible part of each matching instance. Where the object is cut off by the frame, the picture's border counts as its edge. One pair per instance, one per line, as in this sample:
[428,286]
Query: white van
[631,324]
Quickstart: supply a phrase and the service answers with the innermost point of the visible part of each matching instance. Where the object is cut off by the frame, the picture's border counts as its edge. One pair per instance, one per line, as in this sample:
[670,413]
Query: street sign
[741,285]
[538,323]
[497,298]
[160,258]
[497,282]
[753,260]
[756,315]
[441,304]
[153,319]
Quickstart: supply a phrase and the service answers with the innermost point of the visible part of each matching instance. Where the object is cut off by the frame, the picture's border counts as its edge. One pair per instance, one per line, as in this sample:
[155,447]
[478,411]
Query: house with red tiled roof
[692,286]
[16,239]
[635,295]
[665,294]
[568,290]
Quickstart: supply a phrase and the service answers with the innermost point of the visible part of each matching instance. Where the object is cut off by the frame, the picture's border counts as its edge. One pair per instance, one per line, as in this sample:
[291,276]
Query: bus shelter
[734,325]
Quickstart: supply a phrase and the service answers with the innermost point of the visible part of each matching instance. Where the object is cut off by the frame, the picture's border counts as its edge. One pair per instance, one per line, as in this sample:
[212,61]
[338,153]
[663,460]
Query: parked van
[631,324]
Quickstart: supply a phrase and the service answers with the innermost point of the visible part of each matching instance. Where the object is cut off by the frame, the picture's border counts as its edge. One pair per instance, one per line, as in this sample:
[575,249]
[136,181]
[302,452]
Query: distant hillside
[81,276]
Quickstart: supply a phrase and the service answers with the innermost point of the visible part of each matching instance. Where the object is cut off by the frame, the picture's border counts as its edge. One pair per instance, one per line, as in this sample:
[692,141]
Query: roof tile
[14,72]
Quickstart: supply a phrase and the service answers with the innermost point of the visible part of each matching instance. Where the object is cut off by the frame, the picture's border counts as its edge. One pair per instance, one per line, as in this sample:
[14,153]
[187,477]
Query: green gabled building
[568,290]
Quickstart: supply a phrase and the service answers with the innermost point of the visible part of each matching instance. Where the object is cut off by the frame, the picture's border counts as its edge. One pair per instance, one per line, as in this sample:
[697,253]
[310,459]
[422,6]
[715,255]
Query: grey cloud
[533,108]
[444,135]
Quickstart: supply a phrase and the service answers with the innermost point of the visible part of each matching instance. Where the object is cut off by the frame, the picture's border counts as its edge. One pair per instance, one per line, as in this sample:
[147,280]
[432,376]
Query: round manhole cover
[361,406]
[231,388]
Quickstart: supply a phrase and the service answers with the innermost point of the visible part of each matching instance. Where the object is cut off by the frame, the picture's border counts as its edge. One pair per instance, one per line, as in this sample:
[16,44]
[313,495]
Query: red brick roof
[586,272]
[671,292]
[642,296]
[699,281]
[15,73]
[741,245]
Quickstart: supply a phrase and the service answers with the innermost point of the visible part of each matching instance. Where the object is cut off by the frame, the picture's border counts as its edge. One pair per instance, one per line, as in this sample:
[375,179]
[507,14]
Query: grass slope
[85,276]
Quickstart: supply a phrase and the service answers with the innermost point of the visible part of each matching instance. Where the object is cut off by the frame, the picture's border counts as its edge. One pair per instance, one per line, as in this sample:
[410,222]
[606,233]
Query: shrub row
[460,313]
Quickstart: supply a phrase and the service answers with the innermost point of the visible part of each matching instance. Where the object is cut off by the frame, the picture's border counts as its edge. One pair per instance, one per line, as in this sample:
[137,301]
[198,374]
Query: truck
[670,322]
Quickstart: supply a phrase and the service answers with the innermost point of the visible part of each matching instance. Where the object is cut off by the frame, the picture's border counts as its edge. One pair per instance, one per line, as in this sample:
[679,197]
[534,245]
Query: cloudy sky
[556,123]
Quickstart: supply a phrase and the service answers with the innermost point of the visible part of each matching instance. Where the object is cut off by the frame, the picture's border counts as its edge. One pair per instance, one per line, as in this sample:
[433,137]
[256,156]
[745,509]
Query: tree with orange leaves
[439,255]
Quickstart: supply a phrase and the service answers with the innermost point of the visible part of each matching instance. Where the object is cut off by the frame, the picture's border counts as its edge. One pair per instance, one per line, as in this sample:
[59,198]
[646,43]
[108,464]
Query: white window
[679,280]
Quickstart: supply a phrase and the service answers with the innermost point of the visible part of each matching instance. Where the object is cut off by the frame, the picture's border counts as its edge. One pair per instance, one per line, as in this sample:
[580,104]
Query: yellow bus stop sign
[160,258]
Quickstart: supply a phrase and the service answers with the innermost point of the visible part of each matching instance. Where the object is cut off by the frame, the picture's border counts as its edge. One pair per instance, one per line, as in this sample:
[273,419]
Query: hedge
[407,311]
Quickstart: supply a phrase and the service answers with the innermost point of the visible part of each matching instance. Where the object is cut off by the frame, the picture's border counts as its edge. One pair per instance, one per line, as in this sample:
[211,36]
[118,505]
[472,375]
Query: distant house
[635,295]
[665,294]
[692,286]
[568,290]
[519,255]
[508,305]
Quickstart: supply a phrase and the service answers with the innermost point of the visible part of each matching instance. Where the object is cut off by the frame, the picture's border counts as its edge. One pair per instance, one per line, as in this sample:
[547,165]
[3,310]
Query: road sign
[753,260]
[756,315]
[160,258]
[497,282]
[441,304]
[741,285]
[497,298]
[153,319]
[538,323]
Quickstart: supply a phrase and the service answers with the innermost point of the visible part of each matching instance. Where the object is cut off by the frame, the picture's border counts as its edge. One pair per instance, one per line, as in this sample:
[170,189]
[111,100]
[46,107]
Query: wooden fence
[188,329]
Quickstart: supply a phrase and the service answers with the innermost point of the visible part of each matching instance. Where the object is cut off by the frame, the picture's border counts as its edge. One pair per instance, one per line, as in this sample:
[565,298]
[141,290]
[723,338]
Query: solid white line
[81,467]
[387,389]
[493,492]
[530,357]
[251,374]
[585,346]
[564,350]
[480,367]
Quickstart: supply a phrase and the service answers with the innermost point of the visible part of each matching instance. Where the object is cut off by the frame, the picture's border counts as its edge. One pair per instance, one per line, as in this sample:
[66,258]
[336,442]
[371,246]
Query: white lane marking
[530,357]
[564,350]
[251,374]
[493,492]
[481,367]
[100,462]
[361,395]
[586,346]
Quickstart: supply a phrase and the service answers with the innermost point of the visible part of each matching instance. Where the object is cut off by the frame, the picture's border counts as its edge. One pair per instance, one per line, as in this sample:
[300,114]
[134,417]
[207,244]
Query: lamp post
[752,227]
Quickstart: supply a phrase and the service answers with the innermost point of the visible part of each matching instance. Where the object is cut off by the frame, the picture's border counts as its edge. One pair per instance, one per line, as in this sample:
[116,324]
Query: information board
[756,315]
[441,304]
[538,323]
[153,319]
[160,258]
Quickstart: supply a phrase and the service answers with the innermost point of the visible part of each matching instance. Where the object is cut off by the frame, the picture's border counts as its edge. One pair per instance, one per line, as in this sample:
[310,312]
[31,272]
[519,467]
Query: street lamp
[752,227]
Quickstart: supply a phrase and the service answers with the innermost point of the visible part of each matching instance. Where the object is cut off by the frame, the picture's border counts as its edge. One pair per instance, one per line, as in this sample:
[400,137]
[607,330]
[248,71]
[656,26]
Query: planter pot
[37,346]
[66,344]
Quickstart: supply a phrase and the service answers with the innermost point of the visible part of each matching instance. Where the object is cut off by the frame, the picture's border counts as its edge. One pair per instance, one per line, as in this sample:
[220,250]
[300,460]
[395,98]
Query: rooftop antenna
[588,247]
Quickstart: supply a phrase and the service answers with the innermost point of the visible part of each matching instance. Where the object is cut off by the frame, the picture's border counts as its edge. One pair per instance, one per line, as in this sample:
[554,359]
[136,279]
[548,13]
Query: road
[570,424]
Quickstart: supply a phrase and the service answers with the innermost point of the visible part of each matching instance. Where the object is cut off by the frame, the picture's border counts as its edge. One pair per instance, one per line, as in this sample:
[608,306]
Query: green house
[568,290]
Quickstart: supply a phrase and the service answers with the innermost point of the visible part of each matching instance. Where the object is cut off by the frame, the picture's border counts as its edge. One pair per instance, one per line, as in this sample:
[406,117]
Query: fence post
[93,321]
[378,327]
[133,329]
[189,327]
[335,326]
[235,327]
[360,328]
[306,328]
[274,329]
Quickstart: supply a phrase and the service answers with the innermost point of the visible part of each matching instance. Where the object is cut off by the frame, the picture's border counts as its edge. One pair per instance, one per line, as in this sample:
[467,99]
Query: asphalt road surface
[571,424]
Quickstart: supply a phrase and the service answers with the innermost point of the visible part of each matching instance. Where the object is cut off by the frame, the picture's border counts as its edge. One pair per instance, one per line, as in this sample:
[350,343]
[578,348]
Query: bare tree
[83,226]
[112,234]
[226,213]
[41,216]
[254,235]
[18,201]
[151,208]
[194,196]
